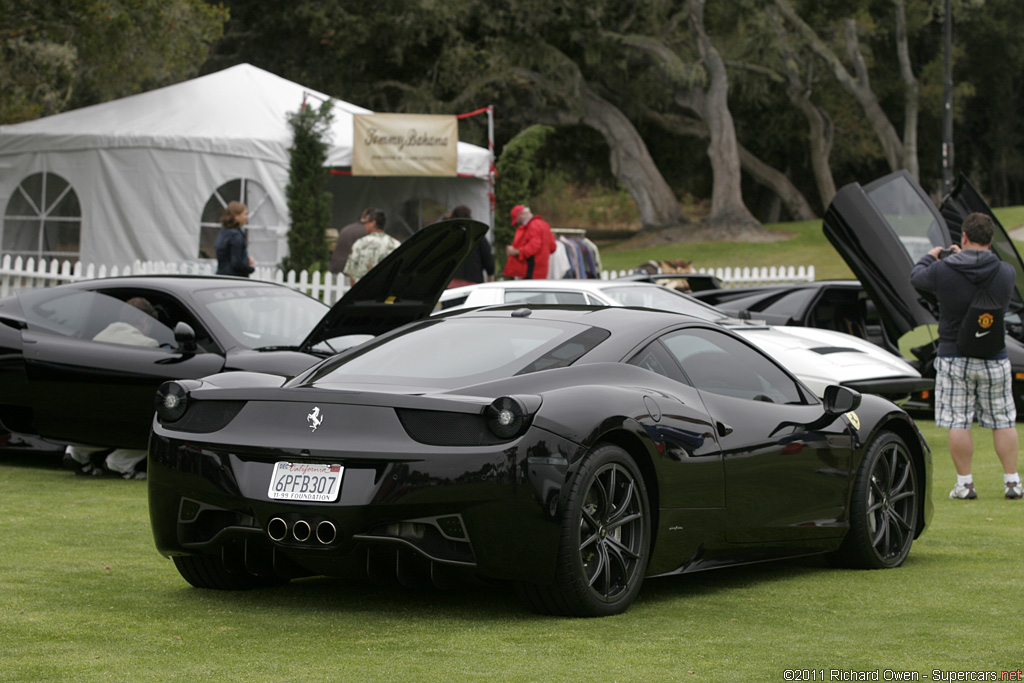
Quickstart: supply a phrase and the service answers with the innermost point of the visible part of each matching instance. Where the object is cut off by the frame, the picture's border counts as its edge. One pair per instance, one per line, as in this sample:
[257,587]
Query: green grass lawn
[84,596]
[800,244]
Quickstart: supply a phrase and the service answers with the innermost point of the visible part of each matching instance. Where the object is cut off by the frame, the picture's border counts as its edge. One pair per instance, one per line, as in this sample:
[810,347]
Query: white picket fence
[28,274]
[21,273]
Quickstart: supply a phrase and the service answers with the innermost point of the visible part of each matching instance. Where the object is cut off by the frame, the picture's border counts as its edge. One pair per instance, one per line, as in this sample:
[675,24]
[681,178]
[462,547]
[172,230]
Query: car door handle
[723,429]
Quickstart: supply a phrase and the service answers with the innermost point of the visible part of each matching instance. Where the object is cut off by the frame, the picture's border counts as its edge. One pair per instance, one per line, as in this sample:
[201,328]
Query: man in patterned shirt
[368,251]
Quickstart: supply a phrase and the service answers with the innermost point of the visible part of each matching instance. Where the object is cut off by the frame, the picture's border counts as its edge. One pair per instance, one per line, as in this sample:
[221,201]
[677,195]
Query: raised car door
[787,469]
[881,230]
[98,392]
[963,200]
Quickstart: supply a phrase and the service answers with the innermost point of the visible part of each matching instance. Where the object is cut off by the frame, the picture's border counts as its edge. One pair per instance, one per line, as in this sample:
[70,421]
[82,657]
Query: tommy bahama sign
[405,145]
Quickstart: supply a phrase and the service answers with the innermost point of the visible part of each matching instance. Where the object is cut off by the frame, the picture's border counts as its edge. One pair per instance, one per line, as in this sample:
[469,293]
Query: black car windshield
[662,298]
[262,317]
[909,215]
[456,352]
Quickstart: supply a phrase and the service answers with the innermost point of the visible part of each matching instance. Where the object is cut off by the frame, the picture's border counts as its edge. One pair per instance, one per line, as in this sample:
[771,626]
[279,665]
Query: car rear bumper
[490,510]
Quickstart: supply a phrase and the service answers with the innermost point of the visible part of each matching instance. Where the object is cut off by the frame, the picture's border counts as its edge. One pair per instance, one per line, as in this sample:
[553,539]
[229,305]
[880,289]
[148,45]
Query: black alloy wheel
[605,540]
[884,508]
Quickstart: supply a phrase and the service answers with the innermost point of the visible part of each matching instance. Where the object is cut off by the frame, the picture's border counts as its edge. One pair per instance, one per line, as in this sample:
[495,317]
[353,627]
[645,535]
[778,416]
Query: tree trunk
[820,131]
[728,212]
[911,98]
[797,206]
[819,138]
[794,200]
[631,162]
[859,86]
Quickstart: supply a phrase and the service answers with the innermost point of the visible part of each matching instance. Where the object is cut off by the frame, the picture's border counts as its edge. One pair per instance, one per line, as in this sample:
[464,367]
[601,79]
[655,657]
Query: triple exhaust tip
[326,533]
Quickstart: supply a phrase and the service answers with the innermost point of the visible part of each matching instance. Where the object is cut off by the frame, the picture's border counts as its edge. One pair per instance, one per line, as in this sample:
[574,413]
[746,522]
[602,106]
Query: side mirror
[185,338]
[840,400]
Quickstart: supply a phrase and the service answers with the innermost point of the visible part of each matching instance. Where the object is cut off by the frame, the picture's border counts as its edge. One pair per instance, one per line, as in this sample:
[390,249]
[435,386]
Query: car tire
[203,571]
[883,508]
[605,540]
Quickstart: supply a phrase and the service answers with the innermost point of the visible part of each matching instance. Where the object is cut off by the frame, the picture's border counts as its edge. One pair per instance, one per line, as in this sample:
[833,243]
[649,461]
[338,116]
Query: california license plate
[306,481]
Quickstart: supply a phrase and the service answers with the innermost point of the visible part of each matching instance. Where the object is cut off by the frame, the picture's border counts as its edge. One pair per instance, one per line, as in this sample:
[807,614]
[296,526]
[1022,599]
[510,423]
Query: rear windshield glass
[456,352]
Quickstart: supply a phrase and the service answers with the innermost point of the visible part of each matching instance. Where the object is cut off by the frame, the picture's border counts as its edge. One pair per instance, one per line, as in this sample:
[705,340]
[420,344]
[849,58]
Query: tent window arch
[43,219]
[263,219]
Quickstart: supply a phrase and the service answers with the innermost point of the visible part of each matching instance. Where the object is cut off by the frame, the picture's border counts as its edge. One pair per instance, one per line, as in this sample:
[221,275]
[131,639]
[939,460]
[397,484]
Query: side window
[517,296]
[789,305]
[96,317]
[168,312]
[720,364]
[568,352]
[457,301]
[655,358]
[839,310]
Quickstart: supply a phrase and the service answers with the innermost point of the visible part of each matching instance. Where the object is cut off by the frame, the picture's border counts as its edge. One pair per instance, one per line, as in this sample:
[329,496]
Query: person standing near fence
[531,246]
[371,249]
[232,247]
[347,238]
[479,265]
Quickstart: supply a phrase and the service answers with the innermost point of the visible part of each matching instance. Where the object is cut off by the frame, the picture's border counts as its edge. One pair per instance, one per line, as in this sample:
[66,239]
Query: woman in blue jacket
[232,250]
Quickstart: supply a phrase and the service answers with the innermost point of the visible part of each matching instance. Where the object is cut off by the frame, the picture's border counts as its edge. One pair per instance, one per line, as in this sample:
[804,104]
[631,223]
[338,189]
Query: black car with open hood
[59,382]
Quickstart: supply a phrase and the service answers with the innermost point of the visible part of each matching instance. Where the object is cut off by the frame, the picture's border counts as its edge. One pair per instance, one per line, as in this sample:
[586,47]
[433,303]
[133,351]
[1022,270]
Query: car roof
[588,285]
[179,283]
[599,316]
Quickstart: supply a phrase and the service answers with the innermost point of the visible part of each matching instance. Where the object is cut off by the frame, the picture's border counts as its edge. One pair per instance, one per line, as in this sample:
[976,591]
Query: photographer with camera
[972,373]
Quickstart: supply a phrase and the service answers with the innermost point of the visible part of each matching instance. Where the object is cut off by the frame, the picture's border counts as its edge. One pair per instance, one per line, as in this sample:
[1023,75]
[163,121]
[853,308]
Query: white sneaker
[963,492]
[1014,490]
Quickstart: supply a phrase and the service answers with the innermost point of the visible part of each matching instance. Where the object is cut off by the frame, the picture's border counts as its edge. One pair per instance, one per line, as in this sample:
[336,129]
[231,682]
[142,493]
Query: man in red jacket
[531,247]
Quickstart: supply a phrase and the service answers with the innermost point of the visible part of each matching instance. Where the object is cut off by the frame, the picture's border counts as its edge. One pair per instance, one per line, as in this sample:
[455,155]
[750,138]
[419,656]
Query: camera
[945,252]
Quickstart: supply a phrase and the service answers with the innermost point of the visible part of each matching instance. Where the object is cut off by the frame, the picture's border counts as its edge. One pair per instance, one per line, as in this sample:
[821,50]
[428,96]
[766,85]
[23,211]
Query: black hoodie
[954,280]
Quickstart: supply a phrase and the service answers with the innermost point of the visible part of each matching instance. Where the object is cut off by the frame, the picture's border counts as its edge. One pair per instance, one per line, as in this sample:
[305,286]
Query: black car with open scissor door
[881,229]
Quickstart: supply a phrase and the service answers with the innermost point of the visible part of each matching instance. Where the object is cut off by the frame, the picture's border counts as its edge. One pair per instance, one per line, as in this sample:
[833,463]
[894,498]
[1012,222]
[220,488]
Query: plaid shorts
[964,386]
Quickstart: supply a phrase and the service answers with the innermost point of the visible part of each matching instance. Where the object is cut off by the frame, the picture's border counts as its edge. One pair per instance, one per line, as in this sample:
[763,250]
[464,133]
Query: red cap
[516,210]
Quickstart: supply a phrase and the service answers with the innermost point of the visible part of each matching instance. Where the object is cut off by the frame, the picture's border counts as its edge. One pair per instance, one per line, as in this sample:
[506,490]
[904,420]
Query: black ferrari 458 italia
[572,451]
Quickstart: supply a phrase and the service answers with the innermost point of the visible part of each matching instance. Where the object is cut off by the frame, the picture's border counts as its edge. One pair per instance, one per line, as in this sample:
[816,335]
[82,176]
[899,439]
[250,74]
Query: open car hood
[404,286]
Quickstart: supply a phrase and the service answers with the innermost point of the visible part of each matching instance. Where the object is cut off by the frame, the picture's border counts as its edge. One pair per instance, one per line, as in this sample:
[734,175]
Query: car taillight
[507,417]
[171,401]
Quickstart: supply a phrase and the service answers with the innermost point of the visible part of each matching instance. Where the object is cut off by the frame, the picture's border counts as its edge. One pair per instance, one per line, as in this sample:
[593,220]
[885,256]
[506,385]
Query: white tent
[136,178]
